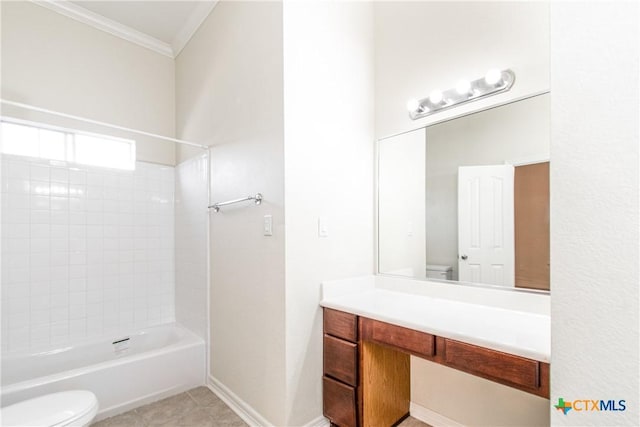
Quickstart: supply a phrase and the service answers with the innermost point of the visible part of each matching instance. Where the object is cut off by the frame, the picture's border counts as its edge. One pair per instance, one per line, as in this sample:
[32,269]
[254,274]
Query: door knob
[464,257]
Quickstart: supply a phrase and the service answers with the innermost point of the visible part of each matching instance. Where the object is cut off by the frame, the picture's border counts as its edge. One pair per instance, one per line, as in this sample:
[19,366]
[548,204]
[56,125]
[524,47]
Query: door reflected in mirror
[468,199]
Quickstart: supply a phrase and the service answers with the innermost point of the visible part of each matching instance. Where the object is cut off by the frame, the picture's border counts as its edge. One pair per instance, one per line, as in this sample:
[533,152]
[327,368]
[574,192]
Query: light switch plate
[267,225]
[323,227]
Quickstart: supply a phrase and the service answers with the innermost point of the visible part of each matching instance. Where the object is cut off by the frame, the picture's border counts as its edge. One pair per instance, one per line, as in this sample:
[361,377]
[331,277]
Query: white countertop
[519,332]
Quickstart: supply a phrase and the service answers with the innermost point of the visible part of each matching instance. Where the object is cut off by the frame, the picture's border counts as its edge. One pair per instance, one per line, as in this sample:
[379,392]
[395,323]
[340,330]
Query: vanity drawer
[340,324]
[341,360]
[493,364]
[339,402]
[409,340]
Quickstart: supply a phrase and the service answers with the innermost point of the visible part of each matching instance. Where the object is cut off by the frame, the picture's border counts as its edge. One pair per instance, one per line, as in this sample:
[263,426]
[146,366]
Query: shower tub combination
[124,373]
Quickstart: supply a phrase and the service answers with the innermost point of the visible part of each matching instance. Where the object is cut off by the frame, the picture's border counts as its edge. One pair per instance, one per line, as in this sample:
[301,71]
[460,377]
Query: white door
[485,225]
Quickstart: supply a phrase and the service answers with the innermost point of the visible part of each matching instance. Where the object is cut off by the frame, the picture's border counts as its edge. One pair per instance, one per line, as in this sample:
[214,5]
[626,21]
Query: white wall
[191,217]
[230,95]
[401,204]
[329,157]
[86,252]
[594,208]
[54,62]
[421,46]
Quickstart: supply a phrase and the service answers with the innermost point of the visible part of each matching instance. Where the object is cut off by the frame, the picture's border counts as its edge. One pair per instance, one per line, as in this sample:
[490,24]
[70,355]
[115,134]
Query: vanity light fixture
[436,97]
[494,82]
[464,88]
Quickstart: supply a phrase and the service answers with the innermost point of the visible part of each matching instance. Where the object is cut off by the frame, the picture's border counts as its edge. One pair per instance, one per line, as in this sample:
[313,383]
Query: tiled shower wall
[191,244]
[86,251]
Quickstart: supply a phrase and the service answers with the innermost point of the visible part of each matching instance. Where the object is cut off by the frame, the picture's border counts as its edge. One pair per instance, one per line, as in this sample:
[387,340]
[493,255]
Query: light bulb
[493,77]
[413,105]
[463,87]
[435,97]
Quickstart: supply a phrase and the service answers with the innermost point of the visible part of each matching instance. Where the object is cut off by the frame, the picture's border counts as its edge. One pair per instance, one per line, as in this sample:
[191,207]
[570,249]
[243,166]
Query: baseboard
[318,422]
[237,405]
[245,411]
[430,417]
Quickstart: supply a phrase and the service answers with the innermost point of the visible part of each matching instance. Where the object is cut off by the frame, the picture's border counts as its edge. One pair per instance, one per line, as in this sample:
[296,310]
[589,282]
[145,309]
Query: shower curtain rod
[96,122]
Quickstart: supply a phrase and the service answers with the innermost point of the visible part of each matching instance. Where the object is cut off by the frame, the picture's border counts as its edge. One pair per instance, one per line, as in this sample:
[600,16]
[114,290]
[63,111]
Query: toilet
[75,408]
[437,271]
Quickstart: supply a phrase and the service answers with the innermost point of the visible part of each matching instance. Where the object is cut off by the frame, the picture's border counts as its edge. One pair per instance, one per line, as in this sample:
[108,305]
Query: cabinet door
[340,324]
[339,402]
[341,360]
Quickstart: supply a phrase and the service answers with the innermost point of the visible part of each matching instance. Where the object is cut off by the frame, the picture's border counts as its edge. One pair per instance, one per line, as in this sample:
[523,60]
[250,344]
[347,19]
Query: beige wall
[329,157]
[595,211]
[427,45]
[421,46]
[54,62]
[473,401]
[230,96]
[234,79]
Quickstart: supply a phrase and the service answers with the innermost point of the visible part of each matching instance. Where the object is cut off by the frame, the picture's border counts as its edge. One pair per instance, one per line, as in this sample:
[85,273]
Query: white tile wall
[191,244]
[86,251]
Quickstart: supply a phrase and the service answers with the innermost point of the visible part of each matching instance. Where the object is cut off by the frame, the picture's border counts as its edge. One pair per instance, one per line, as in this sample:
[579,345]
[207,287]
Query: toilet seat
[67,408]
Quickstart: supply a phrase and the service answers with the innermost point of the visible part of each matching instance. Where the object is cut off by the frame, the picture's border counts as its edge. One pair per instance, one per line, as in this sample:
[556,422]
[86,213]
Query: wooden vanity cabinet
[341,362]
[366,368]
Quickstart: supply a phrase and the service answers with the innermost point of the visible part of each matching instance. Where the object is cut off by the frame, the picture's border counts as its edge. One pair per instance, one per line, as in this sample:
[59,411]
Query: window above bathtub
[30,139]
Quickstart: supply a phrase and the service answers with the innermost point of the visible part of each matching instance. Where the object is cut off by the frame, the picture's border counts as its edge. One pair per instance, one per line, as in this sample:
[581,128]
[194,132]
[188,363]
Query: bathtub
[123,373]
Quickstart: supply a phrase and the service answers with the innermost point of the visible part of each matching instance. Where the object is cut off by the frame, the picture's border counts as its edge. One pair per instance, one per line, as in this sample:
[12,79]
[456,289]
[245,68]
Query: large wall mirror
[467,199]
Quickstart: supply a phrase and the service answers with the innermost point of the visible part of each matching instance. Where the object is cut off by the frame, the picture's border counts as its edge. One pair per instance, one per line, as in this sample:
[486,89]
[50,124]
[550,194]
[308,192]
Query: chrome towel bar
[257,199]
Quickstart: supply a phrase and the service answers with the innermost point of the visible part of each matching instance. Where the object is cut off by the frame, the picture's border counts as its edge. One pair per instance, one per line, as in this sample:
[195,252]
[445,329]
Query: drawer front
[415,342]
[339,402]
[340,324]
[341,360]
[493,364]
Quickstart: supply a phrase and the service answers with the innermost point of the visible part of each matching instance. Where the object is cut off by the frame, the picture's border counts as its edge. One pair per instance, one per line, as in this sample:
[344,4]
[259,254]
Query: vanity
[463,263]
[372,326]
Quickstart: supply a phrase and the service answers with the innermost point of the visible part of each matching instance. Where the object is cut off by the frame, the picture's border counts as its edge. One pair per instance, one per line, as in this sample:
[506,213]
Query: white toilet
[437,271]
[67,408]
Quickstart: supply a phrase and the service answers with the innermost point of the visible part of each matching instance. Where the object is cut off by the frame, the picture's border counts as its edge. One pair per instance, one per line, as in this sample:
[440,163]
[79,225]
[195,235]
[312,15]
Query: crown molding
[85,16]
[195,20]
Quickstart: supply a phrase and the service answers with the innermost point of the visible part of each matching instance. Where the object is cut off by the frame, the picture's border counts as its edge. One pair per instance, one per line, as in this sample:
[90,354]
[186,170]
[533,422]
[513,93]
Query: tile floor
[198,407]
[412,422]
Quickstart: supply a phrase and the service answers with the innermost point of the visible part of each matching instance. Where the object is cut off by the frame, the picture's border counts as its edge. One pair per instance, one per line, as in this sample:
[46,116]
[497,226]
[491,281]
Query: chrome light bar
[494,82]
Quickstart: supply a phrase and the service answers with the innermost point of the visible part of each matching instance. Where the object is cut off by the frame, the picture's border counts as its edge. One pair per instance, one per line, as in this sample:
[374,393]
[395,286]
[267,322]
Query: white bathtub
[158,362]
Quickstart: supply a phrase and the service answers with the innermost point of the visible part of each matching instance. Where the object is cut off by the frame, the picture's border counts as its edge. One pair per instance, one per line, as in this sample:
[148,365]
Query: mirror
[467,199]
